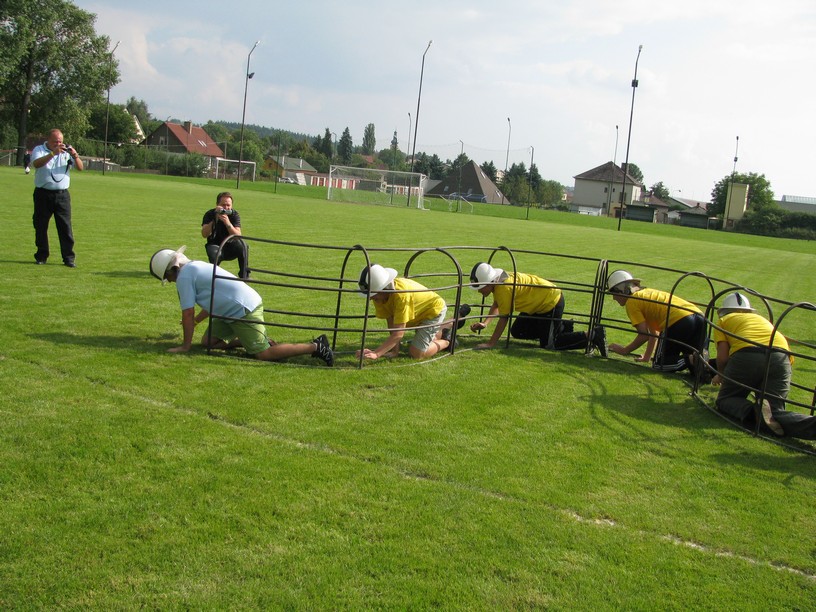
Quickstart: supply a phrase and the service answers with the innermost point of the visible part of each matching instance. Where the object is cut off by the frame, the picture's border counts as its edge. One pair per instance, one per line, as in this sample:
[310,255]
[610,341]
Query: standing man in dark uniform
[52,163]
[220,222]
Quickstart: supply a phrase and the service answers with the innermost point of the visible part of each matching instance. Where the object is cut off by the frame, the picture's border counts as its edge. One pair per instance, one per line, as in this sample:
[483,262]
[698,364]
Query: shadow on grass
[125,274]
[130,343]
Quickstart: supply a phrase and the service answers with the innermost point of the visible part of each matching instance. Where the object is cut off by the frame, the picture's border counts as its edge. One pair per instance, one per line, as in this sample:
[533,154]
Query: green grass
[488,480]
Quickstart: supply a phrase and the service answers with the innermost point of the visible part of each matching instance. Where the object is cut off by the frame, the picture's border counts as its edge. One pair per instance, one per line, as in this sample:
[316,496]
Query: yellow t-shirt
[411,308]
[540,298]
[653,311]
[755,328]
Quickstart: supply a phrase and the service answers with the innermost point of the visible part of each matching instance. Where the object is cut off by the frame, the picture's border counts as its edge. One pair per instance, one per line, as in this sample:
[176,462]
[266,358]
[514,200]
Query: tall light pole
[629,140]
[459,184]
[416,122]
[731,187]
[507,157]
[249,75]
[107,108]
[530,181]
[334,148]
[612,174]
[408,144]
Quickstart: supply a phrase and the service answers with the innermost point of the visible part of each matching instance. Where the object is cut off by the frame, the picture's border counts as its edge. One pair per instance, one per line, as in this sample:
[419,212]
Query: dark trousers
[48,203]
[234,249]
[548,329]
[679,342]
[746,368]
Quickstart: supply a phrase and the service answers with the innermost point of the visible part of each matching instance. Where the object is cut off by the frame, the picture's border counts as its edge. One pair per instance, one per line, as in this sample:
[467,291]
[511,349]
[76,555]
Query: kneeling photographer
[219,223]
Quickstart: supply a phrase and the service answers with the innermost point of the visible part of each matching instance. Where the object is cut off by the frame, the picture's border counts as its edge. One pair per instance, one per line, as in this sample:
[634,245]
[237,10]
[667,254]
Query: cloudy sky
[709,71]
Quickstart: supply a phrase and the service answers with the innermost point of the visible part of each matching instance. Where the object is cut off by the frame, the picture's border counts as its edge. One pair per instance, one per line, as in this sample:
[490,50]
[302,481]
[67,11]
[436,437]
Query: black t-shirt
[220,232]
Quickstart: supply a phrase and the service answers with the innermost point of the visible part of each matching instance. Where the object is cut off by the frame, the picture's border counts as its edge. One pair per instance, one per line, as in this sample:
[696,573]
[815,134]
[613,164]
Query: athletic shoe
[28,170]
[446,335]
[464,310]
[769,420]
[598,340]
[669,367]
[70,264]
[323,350]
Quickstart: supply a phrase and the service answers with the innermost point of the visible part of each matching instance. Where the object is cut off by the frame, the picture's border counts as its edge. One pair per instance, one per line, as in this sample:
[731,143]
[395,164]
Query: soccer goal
[370,185]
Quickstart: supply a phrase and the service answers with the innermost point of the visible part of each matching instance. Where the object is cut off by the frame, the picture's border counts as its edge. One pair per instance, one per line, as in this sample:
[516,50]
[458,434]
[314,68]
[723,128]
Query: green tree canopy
[345,148]
[138,108]
[54,67]
[489,168]
[369,140]
[759,192]
[659,190]
[120,123]
[635,172]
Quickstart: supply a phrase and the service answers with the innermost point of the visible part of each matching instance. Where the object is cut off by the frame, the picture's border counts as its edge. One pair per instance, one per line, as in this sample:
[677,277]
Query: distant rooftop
[798,199]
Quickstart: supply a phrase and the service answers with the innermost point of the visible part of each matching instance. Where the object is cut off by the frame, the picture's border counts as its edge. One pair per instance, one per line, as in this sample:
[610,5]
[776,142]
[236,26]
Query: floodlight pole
[731,185]
[249,75]
[530,182]
[408,144]
[612,174]
[628,141]
[507,157]
[107,108]
[416,122]
[459,184]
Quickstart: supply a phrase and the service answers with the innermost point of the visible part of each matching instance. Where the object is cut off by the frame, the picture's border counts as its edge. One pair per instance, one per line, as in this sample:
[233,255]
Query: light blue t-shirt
[233,298]
[53,175]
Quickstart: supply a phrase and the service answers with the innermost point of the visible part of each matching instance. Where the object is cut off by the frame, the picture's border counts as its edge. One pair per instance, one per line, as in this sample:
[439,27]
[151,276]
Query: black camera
[223,211]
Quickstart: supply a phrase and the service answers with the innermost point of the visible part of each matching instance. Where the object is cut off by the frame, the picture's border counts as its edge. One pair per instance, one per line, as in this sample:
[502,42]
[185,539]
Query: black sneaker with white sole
[464,310]
[323,350]
[599,340]
[446,335]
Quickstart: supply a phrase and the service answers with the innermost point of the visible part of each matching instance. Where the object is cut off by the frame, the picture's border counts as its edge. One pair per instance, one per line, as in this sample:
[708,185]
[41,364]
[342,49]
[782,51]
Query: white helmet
[484,274]
[375,278]
[618,278]
[735,302]
[164,260]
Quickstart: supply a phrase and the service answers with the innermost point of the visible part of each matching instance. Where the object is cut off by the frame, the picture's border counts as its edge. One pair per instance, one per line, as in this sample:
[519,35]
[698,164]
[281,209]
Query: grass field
[503,479]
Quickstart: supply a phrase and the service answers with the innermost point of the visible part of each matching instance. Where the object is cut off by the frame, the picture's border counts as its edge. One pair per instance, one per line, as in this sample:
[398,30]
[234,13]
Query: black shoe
[464,310]
[446,335]
[323,350]
[39,262]
[599,340]
[70,264]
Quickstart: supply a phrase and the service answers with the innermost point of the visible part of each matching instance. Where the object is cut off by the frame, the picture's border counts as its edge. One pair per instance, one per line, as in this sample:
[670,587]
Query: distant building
[295,168]
[798,204]
[695,217]
[187,138]
[598,191]
[471,183]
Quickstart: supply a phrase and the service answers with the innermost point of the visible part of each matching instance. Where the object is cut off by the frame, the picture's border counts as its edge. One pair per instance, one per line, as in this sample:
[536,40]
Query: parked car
[287,179]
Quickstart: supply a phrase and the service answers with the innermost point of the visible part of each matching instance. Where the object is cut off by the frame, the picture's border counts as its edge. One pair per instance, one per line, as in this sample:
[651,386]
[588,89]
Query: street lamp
[107,108]
[249,75]
[459,184]
[628,141]
[530,181]
[507,157]
[416,123]
[612,174]
[334,149]
[408,144]
[731,187]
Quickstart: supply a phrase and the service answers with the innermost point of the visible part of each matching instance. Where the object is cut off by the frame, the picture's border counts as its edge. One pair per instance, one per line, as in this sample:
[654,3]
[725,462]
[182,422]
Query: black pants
[548,329]
[48,203]
[679,342]
[234,249]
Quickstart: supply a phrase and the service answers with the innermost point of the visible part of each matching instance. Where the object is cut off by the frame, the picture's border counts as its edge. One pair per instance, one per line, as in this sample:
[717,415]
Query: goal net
[369,185]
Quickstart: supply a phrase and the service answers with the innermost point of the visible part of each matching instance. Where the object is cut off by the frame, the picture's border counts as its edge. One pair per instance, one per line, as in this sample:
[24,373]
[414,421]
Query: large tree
[759,192]
[54,67]
[659,190]
[345,148]
[369,140]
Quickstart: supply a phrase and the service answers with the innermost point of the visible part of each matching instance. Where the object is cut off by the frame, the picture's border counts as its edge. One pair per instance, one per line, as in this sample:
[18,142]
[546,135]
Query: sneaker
[769,420]
[70,264]
[446,335]
[464,310]
[599,340]
[323,350]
